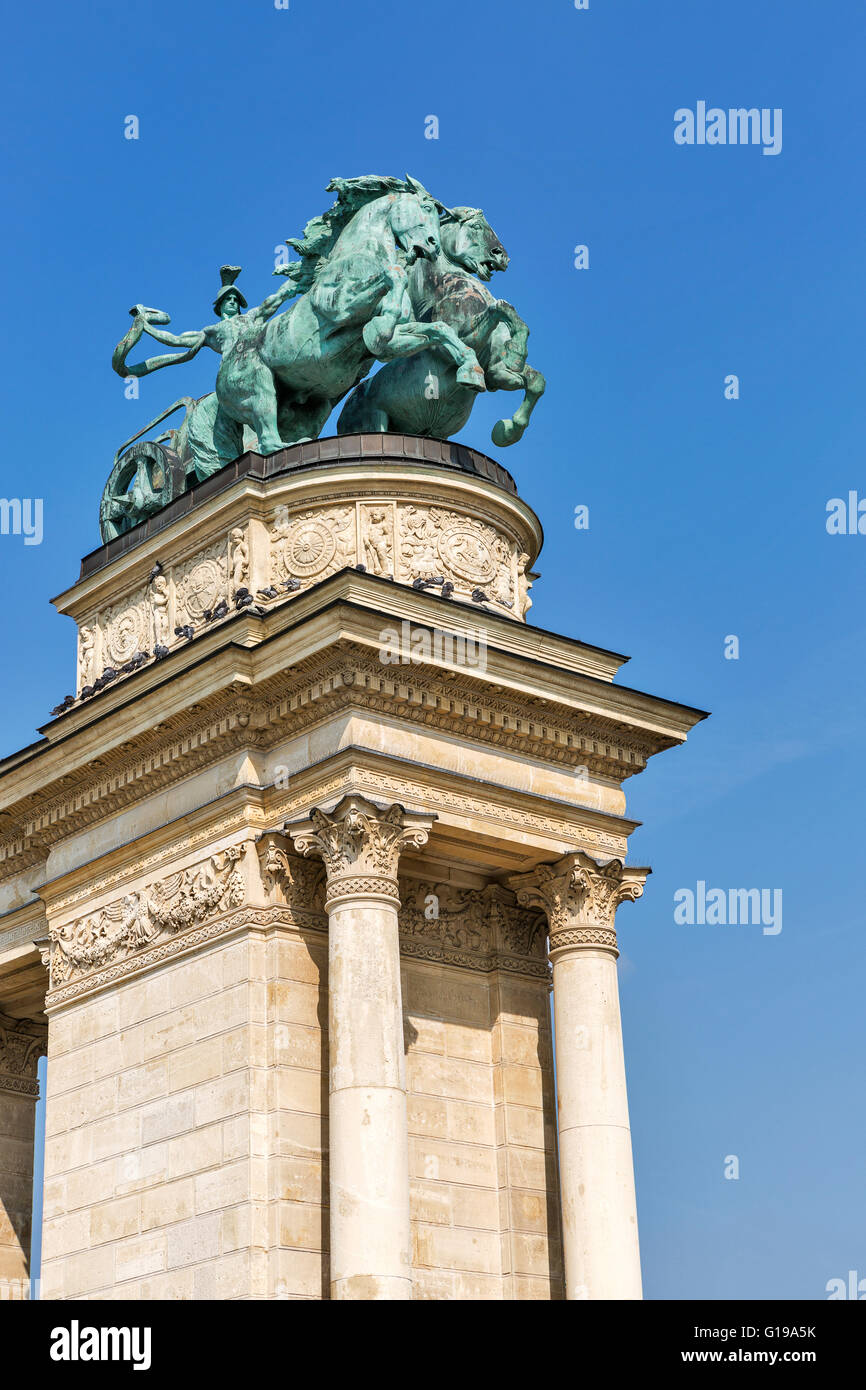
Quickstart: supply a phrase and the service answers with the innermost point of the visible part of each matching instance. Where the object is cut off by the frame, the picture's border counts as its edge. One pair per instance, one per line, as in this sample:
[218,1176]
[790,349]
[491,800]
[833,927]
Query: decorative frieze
[465,551]
[124,630]
[290,879]
[300,545]
[483,929]
[311,544]
[200,584]
[87,654]
[22,1043]
[165,908]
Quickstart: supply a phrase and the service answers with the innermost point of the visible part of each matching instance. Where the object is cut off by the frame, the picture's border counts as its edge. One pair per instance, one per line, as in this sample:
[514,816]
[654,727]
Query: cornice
[294,702]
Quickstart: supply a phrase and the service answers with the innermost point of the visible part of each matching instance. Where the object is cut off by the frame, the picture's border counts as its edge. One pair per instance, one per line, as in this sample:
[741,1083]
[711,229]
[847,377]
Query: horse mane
[321,233]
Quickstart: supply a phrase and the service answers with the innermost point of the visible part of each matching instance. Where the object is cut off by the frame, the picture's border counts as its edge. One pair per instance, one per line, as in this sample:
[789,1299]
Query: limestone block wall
[298,1117]
[22,1043]
[482,1135]
[187,1131]
[17,1118]
[164,1102]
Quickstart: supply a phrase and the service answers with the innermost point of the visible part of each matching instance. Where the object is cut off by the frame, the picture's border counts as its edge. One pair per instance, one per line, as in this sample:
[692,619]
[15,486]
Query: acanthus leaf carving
[289,878]
[468,926]
[580,896]
[360,840]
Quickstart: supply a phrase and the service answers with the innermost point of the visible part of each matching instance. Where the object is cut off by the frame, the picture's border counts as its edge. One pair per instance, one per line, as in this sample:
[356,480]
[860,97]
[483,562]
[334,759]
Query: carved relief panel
[140,919]
[311,544]
[479,928]
[125,630]
[200,583]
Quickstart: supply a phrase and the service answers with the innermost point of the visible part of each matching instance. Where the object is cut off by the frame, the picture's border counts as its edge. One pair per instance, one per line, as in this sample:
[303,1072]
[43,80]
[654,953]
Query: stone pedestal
[297,984]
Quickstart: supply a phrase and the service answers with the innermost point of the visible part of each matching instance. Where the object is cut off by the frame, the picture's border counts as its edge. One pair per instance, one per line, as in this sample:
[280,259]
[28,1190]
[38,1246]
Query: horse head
[469,241]
[414,222]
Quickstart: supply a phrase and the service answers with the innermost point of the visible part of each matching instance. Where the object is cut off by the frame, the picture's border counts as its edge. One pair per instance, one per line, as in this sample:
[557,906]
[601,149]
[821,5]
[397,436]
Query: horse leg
[361,415]
[301,421]
[409,338]
[507,432]
[394,332]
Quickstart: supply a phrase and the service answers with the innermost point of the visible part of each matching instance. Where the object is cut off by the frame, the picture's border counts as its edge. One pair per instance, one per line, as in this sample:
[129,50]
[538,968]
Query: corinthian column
[599,1213]
[369,1145]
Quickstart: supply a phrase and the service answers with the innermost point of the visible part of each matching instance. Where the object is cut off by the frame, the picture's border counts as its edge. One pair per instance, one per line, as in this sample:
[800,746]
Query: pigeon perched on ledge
[155,572]
[211,615]
[87,691]
[187,631]
[291,585]
[269,592]
[66,703]
[243,598]
[108,675]
[160,652]
[447,589]
[479,596]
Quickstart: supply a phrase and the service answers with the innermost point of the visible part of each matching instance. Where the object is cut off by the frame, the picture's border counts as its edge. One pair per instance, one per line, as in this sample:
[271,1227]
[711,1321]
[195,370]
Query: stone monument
[287,882]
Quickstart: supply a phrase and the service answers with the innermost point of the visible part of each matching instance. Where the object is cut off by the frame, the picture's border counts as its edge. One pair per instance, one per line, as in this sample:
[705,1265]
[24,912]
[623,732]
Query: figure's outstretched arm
[194,339]
[269,306]
[143,321]
[153,364]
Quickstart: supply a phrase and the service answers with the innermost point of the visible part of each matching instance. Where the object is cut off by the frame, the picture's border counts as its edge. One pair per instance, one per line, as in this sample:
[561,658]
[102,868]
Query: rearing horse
[281,376]
[359,306]
[425,396]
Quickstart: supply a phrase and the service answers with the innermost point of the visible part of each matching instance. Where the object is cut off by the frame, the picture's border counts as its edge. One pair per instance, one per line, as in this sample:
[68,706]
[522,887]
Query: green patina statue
[244,387]
[423,394]
[387,274]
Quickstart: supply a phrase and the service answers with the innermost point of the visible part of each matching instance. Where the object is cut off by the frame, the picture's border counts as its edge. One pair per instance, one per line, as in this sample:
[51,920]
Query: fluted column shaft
[599,1212]
[360,844]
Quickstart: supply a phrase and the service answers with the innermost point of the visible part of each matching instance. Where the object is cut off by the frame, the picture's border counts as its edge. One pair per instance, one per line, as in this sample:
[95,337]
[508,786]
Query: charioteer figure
[244,385]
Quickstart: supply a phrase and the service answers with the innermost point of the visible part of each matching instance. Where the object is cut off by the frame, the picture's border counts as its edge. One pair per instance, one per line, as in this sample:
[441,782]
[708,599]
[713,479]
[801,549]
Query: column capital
[580,896]
[360,843]
[22,1042]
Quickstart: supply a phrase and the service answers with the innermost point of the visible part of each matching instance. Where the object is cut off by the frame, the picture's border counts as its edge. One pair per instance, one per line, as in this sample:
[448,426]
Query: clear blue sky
[707,516]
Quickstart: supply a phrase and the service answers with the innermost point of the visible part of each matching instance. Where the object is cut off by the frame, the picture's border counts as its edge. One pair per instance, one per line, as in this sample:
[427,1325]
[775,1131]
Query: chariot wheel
[146,478]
